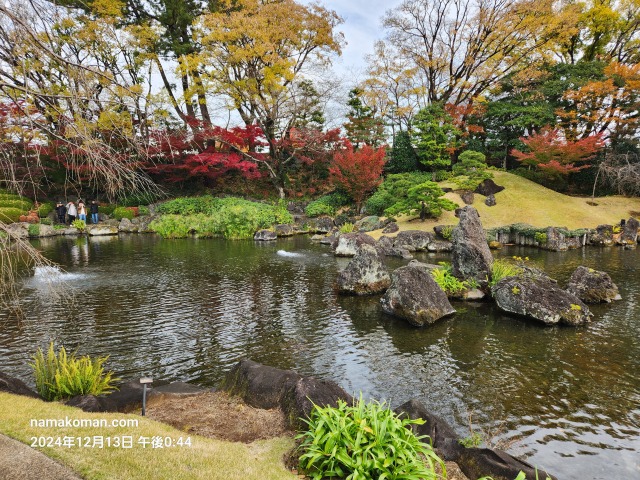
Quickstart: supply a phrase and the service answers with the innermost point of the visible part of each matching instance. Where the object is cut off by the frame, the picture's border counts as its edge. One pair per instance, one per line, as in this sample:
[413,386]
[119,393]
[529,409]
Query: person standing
[82,211]
[61,210]
[72,211]
[93,208]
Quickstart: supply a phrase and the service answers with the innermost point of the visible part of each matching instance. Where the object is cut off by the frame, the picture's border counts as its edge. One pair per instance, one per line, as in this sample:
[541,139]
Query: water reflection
[189,309]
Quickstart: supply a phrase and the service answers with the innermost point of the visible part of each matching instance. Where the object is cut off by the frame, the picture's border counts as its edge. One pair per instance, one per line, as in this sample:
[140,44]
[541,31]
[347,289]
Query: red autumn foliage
[551,152]
[357,172]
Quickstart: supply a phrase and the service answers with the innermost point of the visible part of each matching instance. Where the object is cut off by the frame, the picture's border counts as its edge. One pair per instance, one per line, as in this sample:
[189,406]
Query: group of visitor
[67,213]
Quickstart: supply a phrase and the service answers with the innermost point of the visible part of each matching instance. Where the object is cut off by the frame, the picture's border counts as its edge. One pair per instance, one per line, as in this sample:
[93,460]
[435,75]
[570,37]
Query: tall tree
[403,157]
[436,137]
[464,47]
[363,127]
[255,53]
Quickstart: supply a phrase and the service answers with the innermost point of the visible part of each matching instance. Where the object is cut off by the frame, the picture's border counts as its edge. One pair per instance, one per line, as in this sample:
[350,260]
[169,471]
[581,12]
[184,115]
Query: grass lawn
[204,459]
[524,201]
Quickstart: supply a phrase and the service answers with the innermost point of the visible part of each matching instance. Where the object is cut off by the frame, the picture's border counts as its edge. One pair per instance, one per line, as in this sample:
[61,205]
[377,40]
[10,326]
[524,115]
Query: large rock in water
[592,286]
[416,239]
[415,296]
[364,275]
[350,243]
[629,234]
[603,235]
[471,257]
[541,299]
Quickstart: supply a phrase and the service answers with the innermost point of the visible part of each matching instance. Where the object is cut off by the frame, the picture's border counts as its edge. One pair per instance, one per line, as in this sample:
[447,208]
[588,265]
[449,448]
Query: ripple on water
[187,310]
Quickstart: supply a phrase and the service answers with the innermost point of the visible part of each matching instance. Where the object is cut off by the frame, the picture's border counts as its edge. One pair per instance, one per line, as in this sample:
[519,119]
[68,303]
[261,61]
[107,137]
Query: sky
[362,27]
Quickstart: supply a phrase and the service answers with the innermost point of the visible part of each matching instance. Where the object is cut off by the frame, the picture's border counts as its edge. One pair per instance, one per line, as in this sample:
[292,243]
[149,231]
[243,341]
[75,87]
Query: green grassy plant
[10,214]
[347,228]
[364,441]
[62,375]
[20,203]
[326,205]
[143,210]
[45,209]
[447,282]
[123,212]
[34,230]
[81,225]
[106,209]
[233,218]
[503,268]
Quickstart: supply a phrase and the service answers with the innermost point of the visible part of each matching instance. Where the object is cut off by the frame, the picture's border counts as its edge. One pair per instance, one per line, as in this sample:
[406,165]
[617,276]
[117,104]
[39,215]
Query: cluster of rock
[411,293]
[560,239]
[140,224]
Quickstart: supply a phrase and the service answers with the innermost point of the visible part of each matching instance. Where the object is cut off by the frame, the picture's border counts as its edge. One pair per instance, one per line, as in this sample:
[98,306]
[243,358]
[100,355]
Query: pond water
[568,399]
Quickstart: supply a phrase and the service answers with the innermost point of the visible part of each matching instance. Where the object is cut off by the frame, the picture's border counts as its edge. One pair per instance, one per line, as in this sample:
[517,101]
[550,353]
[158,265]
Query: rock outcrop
[474,462]
[415,296]
[267,387]
[413,240]
[350,243]
[471,257]
[629,234]
[541,299]
[602,236]
[488,187]
[265,236]
[364,275]
[368,224]
[592,286]
[98,230]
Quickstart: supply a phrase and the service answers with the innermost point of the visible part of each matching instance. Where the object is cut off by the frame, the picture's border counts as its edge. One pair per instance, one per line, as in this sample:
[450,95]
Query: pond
[568,399]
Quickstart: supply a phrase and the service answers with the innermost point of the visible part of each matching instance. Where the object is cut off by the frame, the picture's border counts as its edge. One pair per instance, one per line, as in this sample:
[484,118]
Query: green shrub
[471,170]
[442,175]
[315,209]
[46,221]
[79,224]
[233,218]
[143,210]
[34,230]
[540,237]
[427,196]
[447,282]
[447,231]
[61,375]
[45,209]
[394,189]
[9,196]
[364,441]
[347,228]
[186,205]
[326,205]
[503,268]
[123,212]
[10,215]
[21,203]
[106,209]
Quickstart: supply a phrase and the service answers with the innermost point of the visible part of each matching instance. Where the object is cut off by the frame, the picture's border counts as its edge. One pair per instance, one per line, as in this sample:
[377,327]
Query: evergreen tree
[403,157]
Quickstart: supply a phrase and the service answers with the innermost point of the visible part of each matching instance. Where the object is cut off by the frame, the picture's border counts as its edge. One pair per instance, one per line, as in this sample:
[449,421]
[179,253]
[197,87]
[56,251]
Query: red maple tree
[552,153]
[357,172]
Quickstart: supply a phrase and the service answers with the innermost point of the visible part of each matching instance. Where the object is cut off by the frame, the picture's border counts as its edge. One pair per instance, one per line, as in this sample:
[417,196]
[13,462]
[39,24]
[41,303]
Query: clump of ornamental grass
[61,375]
[366,440]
